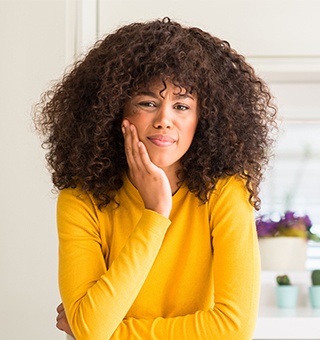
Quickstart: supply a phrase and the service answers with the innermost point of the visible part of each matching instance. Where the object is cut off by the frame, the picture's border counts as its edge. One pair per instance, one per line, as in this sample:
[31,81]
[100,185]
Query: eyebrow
[155,95]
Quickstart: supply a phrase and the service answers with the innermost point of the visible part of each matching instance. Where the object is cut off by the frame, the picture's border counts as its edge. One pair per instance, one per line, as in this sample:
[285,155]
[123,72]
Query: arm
[96,299]
[236,272]
[236,279]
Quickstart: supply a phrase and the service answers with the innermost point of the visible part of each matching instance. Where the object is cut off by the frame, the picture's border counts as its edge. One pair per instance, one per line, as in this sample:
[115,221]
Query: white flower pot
[283,253]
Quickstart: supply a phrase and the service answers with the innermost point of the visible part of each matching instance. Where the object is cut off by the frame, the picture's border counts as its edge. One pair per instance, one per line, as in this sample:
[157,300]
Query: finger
[61,315]
[127,142]
[145,159]
[131,147]
[61,323]
[136,153]
[64,326]
[60,308]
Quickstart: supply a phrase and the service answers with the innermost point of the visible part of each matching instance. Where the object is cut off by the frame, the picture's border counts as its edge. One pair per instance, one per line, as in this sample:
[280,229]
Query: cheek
[137,121]
[129,111]
[189,131]
[134,119]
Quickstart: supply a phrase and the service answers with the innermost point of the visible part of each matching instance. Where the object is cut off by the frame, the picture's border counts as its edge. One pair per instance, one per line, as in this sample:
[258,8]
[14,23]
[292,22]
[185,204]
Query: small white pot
[283,253]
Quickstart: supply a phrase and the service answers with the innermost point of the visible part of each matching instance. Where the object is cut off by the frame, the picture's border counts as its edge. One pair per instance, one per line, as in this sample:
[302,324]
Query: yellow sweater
[130,273]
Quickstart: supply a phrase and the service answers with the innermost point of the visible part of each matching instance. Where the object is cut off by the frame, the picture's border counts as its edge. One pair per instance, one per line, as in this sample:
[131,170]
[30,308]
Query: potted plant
[314,290]
[286,293]
[283,240]
[289,224]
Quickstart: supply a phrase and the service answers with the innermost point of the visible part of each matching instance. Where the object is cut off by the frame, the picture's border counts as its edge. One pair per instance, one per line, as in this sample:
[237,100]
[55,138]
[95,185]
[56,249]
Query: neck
[173,179]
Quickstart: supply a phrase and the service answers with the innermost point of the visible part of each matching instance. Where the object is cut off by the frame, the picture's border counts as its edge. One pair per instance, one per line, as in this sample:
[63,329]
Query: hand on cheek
[151,181]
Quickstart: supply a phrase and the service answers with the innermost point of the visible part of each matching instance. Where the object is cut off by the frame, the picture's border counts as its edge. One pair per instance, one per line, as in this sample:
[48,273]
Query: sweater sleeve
[96,300]
[236,278]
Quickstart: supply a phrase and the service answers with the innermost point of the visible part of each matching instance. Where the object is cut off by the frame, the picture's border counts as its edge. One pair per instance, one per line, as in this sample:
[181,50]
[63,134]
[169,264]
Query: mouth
[162,140]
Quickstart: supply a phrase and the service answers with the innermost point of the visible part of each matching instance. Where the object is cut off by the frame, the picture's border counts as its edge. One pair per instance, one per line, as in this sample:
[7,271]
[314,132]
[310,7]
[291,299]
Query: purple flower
[266,227]
[307,221]
[290,224]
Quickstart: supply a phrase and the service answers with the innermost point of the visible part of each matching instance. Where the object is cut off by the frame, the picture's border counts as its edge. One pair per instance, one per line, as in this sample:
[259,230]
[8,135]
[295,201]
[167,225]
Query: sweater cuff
[154,222]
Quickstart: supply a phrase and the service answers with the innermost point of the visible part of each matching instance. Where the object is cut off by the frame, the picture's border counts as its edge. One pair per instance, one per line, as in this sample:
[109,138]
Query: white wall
[37,41]
[254,27]
[32,52]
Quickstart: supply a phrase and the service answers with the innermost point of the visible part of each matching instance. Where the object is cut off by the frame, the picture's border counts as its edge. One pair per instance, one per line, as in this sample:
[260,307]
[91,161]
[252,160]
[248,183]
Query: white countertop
[302,322]
[299,323]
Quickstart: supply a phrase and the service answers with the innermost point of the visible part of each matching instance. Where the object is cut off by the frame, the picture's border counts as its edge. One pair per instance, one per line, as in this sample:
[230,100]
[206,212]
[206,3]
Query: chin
[161,164]
[164,163]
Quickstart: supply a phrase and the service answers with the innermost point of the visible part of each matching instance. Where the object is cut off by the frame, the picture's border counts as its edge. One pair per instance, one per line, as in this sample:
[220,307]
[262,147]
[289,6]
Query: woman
[157,141]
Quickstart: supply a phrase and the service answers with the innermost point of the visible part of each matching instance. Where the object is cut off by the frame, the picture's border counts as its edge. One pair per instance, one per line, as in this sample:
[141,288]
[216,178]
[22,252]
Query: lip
[161,140]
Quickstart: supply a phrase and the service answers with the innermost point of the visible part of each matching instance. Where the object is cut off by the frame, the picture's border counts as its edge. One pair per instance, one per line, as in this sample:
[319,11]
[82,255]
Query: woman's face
[166,122]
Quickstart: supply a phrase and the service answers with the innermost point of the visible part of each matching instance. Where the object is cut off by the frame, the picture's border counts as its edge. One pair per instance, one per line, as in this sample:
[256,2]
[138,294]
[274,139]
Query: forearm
[214,324]
[233,317]
[236,298]
[95,309]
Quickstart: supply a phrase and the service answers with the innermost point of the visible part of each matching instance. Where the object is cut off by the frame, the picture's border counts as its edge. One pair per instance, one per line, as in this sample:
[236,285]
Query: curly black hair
[80,116]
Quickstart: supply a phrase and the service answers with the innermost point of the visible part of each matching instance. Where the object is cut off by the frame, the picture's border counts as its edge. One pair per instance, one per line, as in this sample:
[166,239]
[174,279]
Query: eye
[181,107]
[147,104]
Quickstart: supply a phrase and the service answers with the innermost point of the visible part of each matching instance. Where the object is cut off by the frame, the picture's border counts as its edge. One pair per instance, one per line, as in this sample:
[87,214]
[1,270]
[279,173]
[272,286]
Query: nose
[163,119]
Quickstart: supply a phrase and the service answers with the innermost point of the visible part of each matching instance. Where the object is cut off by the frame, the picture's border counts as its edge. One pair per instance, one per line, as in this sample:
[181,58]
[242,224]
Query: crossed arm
[151,182]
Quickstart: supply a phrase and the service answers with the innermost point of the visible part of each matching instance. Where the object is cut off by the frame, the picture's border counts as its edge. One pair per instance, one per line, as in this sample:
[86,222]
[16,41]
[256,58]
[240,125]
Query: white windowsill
[302,322]
[299,323]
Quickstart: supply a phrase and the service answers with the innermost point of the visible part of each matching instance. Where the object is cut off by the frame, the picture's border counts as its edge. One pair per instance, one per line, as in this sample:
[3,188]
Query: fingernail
[123,127]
